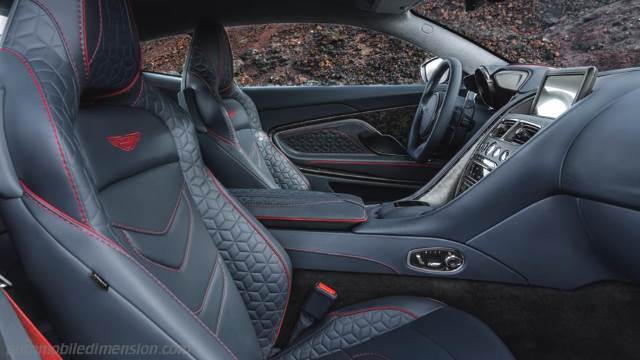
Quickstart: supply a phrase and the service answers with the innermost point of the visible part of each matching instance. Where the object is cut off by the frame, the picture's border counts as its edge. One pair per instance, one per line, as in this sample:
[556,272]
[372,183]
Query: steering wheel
[435,110]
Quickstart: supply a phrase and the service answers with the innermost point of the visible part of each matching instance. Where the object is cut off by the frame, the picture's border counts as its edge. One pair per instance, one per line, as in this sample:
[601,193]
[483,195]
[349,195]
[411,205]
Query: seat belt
[314,309]
[188,102]
[40,343]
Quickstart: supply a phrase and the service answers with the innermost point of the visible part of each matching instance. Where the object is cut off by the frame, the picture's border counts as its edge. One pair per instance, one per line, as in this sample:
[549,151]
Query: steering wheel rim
[435,111]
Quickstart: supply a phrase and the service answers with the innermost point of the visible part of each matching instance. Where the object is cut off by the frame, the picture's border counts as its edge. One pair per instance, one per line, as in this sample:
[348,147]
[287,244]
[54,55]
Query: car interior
[146,215]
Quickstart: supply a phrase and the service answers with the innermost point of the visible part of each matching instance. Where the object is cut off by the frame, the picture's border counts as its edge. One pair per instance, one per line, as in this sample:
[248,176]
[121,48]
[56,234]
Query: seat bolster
[400,327]
[446,333]
[358,323]
[285,173]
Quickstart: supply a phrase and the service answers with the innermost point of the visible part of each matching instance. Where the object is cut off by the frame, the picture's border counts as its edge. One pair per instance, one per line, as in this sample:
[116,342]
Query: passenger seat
[233,143]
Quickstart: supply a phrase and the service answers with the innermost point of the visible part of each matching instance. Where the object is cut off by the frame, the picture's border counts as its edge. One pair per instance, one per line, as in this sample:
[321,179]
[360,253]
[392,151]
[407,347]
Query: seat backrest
[232,136]
[127,236]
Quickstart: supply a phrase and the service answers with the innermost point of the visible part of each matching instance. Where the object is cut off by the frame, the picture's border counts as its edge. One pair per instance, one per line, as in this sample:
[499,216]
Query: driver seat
[227,120]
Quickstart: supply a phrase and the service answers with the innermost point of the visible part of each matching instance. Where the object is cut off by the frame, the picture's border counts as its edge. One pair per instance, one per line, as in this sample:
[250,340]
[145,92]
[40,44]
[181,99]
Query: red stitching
[82,13]
[63,216]
[376,163]
[91,232]
[221,138]
[123,90]
[54,128]
[373,308]
[223,192]
[156,232]
[126,143]
[183,262]
[285,218]
[358,257]
[100,26]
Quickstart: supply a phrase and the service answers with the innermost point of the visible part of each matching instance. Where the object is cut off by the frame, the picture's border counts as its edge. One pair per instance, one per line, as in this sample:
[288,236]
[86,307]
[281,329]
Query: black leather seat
[127,236]
[231,134]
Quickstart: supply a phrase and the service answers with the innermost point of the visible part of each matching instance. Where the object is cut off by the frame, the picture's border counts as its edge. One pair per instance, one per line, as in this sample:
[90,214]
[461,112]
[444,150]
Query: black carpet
[599,321]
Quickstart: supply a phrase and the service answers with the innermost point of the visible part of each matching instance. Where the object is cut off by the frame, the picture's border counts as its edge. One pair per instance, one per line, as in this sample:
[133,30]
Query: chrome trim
[4,282]
[441,272]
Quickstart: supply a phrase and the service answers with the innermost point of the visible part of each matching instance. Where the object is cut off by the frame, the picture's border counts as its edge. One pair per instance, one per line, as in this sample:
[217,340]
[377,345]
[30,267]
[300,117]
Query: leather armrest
[293,209]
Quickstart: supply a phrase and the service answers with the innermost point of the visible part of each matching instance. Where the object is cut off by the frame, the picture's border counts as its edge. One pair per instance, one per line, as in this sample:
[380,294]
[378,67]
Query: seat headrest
[98,42]
[210,53]
[113,48]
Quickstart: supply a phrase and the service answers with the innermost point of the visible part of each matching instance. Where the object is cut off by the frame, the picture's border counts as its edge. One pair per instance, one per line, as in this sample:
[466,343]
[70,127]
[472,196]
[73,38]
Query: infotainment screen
[561,88]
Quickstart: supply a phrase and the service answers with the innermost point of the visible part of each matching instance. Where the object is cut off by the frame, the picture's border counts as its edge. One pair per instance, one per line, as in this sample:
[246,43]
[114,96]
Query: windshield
[604,33]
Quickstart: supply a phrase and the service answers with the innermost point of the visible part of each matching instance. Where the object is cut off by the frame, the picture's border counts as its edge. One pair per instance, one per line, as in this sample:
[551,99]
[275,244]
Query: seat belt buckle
[315,307]
[4,282]
[319,301]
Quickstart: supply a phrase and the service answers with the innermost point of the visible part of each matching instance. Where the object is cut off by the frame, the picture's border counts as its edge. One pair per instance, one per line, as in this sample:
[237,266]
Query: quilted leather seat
[127,236]
[231,134]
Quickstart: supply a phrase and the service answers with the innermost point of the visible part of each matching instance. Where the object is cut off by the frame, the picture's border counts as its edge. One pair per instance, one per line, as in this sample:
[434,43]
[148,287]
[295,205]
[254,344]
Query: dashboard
[558,90]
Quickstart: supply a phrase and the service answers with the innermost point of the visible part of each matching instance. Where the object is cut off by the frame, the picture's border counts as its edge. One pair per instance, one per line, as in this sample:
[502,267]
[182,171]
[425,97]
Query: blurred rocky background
[605,33]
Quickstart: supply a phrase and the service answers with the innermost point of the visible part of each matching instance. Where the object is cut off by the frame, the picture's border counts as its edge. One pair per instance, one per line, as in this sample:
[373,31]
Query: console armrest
[293,209]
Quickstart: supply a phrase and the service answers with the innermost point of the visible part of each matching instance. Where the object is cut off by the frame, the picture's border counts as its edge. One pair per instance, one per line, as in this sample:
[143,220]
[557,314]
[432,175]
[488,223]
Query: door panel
[341,145]
[347,138]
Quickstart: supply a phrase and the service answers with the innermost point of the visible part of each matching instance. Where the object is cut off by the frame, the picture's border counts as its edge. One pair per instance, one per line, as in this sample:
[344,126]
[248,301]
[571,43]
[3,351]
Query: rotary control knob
[453,262]
[435,259]
[491,148]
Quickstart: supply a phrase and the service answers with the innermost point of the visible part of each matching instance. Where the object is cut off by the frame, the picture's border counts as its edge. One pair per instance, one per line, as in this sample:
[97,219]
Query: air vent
[502,128]
[524,133]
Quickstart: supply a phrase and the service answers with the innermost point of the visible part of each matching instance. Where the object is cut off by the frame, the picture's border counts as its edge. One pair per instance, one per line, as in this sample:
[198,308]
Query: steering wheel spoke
[435,110]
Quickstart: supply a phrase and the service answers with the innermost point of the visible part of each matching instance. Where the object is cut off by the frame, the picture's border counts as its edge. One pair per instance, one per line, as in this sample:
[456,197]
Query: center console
[502,141]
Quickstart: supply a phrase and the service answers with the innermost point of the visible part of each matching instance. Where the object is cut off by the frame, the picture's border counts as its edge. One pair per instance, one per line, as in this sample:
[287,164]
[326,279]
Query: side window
[165,55]
[314,54]
[301,54]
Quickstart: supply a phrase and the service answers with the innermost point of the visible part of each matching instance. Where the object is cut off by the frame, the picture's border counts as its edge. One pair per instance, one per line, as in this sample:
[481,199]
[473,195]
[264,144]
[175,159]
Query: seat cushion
[398,328]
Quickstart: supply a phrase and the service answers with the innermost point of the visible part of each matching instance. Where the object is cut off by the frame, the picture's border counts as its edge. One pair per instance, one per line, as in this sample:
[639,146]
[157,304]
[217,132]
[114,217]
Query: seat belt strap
[40,343]
[189,98]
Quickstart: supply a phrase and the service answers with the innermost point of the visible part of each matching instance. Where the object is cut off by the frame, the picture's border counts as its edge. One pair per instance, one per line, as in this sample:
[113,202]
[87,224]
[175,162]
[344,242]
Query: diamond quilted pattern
[116,62]
[34,35]
[200,63]
[284,172]
[344,331]
[258,265]
[325,141]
